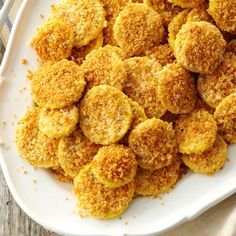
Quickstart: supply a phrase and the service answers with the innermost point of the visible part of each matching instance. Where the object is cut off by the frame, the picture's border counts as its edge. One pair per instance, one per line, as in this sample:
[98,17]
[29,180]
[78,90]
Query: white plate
[45,201]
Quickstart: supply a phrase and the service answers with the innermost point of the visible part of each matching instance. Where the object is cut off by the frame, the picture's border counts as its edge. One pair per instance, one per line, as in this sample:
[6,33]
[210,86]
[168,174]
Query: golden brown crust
[137,29]
[176,89]
[58,123]
[188,3]
[163,53]
[74,152]
[104,66]
[175,26]
[60,174]
[85,17]
[142,85]
[33,145]
[155,183]
[195,132]
[166,9]
[210,161]
[112,8]
[53,41]
[215,87]
[57,85]
[223,12]
[154,143]
[78,54]
[199,46]
[231,47]
[114,165]
[138,117]
[225,116]
[105,115]
[99,201]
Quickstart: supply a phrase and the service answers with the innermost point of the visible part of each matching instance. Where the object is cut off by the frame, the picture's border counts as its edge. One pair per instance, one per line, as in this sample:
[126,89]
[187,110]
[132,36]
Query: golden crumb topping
[138,28]
[154,143]
[99,201]
[57,85]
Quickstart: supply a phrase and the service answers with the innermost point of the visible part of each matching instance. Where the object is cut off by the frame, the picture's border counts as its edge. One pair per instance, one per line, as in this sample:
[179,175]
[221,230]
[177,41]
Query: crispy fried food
[154,143]
[155,183]
[58,123]
[142,85]
[199,46]
[53,41]
[85,17]
[74,152]
[60,174]
[78,54]
[114,165]
[176,89]
[33,145]
[163,54]
[99,201]
[210,161]
[225,116]
[188,3]
[138,117]
[223,12]
[137,29]
[231,47]
[112,8]
[175,26]
[215,87]
[201,105]
[169,117]
[199,14]
[104,66]
[166,9]
[105,115]
[57,85]
[196,132]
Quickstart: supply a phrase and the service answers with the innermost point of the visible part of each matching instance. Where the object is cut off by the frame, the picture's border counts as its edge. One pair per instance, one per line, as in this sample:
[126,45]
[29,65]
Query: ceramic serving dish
[50,202]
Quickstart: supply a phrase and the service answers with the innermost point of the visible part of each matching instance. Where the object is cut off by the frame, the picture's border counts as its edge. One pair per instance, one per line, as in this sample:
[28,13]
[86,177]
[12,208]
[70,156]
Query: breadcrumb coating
[105,115]
[199,14]
[78,54]
[196,132]
[154,143]
[138,117]
[188,3]
[137,29]
[175,26]
[104,66]
[210,161]
[231,47]
[176,89]
[74,152]
[85,17]
[60,174]
[58,123]
[57,85]
[199,46]
[99,201]
[163,53]
[33,145]
[221,83]
[166,9]
[155,183]
[223,12]
[114,165]
[225,116]
[53,41]
[142,85]
[201,105]
[112,8]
